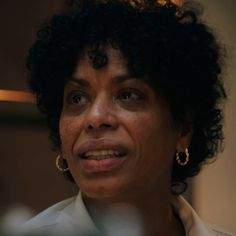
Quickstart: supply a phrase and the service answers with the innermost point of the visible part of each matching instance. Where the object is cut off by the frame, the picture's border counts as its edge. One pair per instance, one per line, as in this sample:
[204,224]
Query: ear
[184,137]
[61,154]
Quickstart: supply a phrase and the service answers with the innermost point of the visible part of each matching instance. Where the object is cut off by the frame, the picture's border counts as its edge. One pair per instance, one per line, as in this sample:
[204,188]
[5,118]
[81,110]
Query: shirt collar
[76,214]
[193,225]
[75,218]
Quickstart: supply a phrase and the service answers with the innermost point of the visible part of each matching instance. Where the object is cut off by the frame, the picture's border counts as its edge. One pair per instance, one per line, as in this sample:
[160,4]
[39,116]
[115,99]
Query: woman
[132,92]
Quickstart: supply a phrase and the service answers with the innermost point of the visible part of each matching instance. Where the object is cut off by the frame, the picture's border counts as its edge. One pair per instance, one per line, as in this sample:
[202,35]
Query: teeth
[101,154]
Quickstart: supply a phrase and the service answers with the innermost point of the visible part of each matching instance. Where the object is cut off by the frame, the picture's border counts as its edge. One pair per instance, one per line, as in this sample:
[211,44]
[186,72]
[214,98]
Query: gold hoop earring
[182,160]
[58,166]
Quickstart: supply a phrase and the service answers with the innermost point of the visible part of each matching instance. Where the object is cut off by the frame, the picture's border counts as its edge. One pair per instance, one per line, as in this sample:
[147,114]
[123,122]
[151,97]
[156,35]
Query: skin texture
[110,108]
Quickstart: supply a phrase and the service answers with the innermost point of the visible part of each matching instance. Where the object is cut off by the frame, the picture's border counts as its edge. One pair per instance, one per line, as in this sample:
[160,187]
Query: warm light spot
[16,96]
[178,3]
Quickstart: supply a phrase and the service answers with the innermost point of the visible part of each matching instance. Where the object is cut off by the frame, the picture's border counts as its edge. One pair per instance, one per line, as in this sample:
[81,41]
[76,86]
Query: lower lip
[102,165]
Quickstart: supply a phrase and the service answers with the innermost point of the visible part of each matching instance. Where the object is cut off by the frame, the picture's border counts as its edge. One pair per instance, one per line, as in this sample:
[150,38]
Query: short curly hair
[165,42]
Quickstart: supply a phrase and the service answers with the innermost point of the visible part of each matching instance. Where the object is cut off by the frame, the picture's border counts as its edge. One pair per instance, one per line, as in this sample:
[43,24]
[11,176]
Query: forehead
[115,72]
[115,62]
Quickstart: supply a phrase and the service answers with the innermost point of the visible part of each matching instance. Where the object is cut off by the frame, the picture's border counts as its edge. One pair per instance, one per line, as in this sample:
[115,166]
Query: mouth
[102,154]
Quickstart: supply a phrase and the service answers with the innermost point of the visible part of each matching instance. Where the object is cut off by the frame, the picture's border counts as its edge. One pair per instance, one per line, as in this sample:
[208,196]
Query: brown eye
[129,95]
[78,99]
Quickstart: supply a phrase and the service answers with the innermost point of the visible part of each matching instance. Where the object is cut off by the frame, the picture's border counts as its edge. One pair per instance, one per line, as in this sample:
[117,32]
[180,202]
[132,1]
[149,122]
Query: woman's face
[117,135]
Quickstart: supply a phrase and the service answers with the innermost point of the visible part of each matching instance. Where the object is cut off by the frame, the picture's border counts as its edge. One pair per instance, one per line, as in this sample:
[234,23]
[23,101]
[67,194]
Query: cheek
[67,133]
[154,136]
[145,127]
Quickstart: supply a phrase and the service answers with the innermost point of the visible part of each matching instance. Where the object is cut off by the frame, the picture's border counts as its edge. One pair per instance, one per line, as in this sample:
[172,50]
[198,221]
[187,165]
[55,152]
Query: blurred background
[28,177]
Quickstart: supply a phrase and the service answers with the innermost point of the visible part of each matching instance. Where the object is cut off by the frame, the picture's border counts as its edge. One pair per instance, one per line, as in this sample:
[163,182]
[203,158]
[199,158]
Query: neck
[153,211]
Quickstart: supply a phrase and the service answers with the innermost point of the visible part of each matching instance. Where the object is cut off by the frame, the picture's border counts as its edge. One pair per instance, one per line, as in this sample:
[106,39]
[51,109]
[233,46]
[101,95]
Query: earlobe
[182,152]
[185,138]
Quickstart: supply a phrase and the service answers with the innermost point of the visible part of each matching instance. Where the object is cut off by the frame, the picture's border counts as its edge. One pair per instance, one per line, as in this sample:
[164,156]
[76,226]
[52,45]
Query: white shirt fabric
[70,217]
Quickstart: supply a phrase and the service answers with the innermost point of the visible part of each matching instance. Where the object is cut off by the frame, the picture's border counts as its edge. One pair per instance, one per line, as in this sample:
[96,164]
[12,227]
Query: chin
[103,190]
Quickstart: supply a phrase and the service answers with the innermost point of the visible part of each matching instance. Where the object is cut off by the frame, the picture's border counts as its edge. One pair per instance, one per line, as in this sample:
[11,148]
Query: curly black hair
[164,42]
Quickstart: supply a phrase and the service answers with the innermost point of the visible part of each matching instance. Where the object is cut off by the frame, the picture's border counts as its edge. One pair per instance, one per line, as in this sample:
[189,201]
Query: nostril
[90,127]
[105,126]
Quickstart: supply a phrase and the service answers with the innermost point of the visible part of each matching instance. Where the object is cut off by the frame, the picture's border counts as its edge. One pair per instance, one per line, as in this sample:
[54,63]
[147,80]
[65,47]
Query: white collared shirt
[70,217]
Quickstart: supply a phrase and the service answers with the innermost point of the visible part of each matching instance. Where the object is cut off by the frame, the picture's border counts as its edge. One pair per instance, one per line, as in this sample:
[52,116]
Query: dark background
[28,175]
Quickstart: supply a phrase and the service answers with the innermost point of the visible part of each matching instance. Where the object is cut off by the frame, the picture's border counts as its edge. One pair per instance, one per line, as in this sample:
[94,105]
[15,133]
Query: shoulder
[48,217]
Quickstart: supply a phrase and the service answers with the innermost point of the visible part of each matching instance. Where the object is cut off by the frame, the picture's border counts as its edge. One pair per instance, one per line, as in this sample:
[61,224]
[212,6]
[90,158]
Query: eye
[77,98]
[130,95]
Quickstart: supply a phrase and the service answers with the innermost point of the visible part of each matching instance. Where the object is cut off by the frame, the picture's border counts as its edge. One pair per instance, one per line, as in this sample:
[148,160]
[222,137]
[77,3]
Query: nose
[101,115]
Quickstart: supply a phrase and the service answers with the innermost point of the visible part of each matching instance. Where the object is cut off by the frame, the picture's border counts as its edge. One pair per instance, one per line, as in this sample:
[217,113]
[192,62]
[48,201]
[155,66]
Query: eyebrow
[122,78]
[80,82]
[116,80]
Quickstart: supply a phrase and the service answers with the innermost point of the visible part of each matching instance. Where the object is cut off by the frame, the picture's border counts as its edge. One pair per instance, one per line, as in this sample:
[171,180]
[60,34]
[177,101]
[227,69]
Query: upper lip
[100,144]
